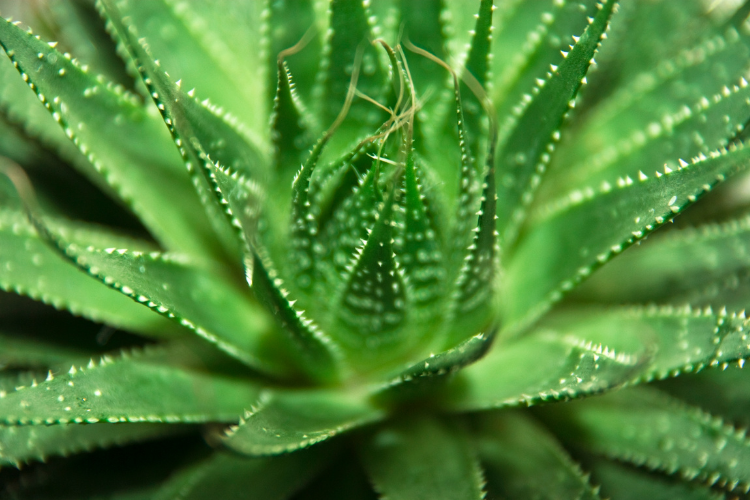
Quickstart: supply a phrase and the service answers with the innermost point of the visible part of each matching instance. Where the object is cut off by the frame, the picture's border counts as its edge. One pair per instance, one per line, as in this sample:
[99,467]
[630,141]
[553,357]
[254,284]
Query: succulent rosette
[336,249]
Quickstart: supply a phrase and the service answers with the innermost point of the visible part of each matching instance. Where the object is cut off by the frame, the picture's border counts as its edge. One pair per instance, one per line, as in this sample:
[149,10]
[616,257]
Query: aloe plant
[345,249]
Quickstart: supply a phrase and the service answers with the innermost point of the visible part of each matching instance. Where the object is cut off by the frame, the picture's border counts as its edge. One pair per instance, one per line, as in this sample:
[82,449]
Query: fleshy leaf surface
[646,427]
[129,389]
[605,220]
[138,165]
[514,450]
[285,421]
[422,458]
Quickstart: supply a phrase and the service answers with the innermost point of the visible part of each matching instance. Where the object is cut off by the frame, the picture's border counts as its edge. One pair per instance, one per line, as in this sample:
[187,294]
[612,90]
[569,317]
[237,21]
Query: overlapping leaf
[285,421]
[138,165]
[514,449]
[128,390]
[604,220]
[422,458]
[647,428]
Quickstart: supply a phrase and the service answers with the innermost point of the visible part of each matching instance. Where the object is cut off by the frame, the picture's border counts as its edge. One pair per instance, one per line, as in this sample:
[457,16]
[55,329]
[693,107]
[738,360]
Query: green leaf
[522,460]
[139,165]
[476,283]
[540,366]
[422,458]
[206,59]
[285,421]
[529,136]
[233,477]
[478,65]
[205,301]
[667,267]
[548,261]
[645,427]
[61,284]
[430,375]
[349,29]
[627,483]
[204,136]
[724,392]
[21,444]
[419,248]
[371,304]
[132,389]
[287,23]
[317,352]
[290,134]
[654,118]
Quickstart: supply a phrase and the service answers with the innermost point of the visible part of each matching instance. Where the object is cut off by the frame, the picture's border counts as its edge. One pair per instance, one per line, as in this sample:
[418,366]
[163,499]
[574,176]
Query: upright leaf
[524,153]
[205,59]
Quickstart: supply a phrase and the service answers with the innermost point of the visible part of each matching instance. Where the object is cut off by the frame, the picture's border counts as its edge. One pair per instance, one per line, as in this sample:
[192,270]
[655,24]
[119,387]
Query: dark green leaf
[422,458]
[20,444]
[625,483]
[232,477]
[522,460]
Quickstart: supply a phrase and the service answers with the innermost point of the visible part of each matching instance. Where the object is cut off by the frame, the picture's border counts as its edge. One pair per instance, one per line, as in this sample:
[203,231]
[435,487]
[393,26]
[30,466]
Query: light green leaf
[540,366]
[676,339]
[522,460]
[528,137]
[128,389]
[206,59]
[349,29]
[21,444]
[285,421]
[232,477]
[137,166]
[604,221]
[422,458]
[646,427]
[61,284]
[654,118]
